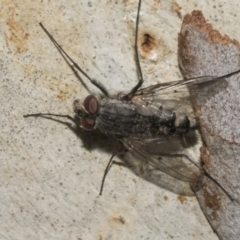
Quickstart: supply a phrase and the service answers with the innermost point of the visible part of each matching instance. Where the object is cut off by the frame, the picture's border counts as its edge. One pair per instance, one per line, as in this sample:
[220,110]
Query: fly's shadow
[90,140]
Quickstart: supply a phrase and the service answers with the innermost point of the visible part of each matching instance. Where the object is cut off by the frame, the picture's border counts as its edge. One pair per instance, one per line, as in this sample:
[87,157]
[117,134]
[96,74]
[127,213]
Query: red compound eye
[91,104]
[87,123]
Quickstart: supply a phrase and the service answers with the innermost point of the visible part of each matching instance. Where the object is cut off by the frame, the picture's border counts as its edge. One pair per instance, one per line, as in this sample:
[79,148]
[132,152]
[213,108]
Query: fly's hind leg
[139,70]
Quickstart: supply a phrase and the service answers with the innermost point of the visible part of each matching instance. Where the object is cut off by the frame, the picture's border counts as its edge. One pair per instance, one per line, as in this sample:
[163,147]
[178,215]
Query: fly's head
[87,111]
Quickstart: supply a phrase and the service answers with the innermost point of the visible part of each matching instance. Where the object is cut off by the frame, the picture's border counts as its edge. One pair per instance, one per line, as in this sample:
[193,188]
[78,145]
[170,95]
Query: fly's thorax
[87,111]
[126,118]
[116,117]
[116,106]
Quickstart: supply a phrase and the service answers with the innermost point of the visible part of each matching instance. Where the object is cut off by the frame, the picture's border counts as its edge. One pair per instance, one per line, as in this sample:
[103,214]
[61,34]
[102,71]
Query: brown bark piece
[203,51]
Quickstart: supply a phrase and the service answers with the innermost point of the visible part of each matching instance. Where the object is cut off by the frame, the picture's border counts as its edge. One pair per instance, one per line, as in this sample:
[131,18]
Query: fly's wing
[165,154]
[198,82]
[174,96]
[168,153]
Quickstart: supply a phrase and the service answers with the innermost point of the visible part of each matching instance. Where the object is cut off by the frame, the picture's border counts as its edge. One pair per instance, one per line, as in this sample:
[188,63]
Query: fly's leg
[218,184]
[49,114]
[73,64]
[73,125]
[106,172]
[197,185]
[139,70]
[110,163]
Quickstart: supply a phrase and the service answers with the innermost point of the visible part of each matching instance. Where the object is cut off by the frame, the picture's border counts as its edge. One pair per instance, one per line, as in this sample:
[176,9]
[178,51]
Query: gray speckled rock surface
[50,174]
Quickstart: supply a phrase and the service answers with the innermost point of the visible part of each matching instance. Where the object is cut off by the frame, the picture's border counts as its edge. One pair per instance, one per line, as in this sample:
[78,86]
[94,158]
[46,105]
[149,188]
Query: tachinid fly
[151,122]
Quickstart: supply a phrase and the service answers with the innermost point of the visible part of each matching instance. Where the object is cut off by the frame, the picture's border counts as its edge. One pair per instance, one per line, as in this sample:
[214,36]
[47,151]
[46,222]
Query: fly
[151,122]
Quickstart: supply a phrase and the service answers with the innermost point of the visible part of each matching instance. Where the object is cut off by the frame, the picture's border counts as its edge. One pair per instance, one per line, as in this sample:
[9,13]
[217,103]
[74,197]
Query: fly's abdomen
[124,118]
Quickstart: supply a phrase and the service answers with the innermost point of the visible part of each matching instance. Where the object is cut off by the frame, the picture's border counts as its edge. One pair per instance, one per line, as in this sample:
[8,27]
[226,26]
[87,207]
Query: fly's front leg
[73,64]
[74,121]
[49,115]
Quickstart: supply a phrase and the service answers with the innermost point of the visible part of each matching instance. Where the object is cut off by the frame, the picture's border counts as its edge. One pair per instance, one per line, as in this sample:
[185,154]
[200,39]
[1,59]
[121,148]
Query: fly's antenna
[73,64]
[139,70]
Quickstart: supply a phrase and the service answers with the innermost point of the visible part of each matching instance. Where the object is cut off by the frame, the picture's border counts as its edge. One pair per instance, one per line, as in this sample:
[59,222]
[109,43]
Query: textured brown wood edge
[197,20]
[222,214]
